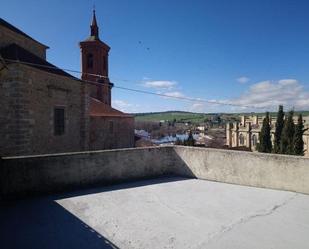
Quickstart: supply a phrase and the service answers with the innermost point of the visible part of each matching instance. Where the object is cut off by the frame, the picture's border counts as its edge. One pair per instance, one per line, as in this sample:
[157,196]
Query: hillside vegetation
[174,115]
[195,117]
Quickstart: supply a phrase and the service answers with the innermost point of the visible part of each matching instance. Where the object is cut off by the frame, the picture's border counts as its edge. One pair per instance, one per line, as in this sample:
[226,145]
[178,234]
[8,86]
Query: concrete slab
[162,213]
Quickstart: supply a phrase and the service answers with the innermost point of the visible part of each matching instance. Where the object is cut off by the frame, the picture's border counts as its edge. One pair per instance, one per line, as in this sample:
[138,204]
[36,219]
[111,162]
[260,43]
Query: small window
[111,127]
[90,61]
[241,139]
[59,122]
[254,140]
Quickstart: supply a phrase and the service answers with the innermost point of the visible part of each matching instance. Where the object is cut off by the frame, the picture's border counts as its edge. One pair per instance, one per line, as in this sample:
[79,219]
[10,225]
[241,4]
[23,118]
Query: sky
[251,53]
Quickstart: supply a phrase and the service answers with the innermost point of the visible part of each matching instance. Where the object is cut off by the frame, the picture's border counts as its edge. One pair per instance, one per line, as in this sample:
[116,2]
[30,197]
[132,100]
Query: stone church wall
[111,132]
[30,97]
[8,37]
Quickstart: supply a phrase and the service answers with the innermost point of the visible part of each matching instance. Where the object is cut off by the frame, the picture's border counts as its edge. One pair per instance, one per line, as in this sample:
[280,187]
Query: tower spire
[94,27]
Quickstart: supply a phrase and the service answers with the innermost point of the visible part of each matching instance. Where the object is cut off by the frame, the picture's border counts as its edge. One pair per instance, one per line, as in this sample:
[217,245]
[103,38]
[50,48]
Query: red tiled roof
[99,109]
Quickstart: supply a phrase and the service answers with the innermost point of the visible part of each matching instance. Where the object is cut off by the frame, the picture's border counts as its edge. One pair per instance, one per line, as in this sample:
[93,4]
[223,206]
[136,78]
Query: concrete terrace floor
[160,213]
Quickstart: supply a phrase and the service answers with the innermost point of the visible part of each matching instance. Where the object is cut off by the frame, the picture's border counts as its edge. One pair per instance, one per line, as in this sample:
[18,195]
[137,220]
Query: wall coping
[92,152]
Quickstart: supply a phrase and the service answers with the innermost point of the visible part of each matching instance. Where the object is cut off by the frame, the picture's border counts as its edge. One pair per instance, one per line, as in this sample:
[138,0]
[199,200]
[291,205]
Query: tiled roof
[15,52]
[99,109]
[16,30]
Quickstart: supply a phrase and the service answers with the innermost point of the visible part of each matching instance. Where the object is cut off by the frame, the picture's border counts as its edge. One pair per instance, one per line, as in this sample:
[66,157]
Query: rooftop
[155,197]
[14,53]
[161,213]
[18,31]
[100,109]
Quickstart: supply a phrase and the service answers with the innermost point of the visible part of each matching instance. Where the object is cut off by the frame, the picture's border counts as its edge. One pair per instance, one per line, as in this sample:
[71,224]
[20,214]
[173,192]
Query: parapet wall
[20,176]
[246,168]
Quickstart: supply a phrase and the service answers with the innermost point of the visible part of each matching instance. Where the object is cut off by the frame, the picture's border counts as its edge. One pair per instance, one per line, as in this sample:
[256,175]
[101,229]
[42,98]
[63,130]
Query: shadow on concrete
[41,223]
[118,186]
[44,224]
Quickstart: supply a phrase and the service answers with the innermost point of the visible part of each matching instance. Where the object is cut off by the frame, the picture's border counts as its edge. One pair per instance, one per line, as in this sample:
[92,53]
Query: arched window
[90,61]
[254,140]
[241,139]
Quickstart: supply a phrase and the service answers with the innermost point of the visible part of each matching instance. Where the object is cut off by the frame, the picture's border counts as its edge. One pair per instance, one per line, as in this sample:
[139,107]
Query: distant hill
[181,116]
[173,115]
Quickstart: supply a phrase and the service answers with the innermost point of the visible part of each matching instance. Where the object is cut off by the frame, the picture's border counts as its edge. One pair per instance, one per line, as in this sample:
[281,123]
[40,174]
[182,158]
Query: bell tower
[94,57]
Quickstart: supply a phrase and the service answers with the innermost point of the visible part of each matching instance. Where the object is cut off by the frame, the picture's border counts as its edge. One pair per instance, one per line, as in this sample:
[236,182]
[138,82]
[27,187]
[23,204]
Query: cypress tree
[265,137]
[279,128]
[298,137]
[286,144]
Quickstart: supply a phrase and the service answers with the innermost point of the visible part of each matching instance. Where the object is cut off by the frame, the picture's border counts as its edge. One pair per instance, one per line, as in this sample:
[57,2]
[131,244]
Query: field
[173,115]
[195,117]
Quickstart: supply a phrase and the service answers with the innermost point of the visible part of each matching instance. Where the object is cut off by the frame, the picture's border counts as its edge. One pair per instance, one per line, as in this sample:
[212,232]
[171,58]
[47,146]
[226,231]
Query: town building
[246,132]
[43,109]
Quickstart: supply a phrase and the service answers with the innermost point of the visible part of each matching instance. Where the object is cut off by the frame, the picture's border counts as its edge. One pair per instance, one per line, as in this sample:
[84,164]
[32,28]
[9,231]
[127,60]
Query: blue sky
[246,52]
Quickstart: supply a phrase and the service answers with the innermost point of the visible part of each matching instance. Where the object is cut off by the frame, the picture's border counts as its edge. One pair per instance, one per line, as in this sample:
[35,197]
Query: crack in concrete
[167,206]
[246,219]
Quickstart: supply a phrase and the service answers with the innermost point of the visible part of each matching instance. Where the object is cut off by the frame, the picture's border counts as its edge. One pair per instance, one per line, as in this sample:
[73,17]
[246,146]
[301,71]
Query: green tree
[298,137]
[279,128]
[265,137]
[179,142]
[287,137]
[190,140]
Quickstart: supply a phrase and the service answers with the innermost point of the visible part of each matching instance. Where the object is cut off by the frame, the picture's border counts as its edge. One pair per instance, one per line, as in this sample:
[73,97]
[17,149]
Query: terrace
[167,197]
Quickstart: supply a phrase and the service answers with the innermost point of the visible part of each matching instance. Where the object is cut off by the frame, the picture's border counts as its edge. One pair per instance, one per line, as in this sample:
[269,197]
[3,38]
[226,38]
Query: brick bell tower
[94,55]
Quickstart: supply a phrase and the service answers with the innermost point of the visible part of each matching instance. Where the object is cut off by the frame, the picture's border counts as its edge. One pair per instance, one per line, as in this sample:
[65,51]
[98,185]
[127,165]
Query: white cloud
[160,84]
[197,107]
[243,80]
[269,94]
[124,106]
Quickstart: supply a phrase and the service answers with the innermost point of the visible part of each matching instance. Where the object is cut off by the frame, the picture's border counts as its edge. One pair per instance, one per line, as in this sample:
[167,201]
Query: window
[111,127]
[254,140]
[59,121]
[90,61]
[241,139]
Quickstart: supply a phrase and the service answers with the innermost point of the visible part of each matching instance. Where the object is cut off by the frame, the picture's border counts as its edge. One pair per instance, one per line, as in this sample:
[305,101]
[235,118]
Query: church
[245,134]
[44,109]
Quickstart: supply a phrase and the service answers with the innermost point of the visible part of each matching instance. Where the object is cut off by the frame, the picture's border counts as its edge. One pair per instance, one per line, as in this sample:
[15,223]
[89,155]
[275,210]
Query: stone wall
[16,125]
[111,132]
[8,37]
[59,172]
[30,96]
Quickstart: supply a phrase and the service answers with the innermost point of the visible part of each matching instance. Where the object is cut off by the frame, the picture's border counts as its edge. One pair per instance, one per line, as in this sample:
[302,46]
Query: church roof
[16,53]
[99,109]
[94,34]
[18,31]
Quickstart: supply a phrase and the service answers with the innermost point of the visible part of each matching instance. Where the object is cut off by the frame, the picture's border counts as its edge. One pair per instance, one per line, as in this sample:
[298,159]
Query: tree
[298,137]
[265,138]
[179,142]
[287,137]
[279,128]
[190,140]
